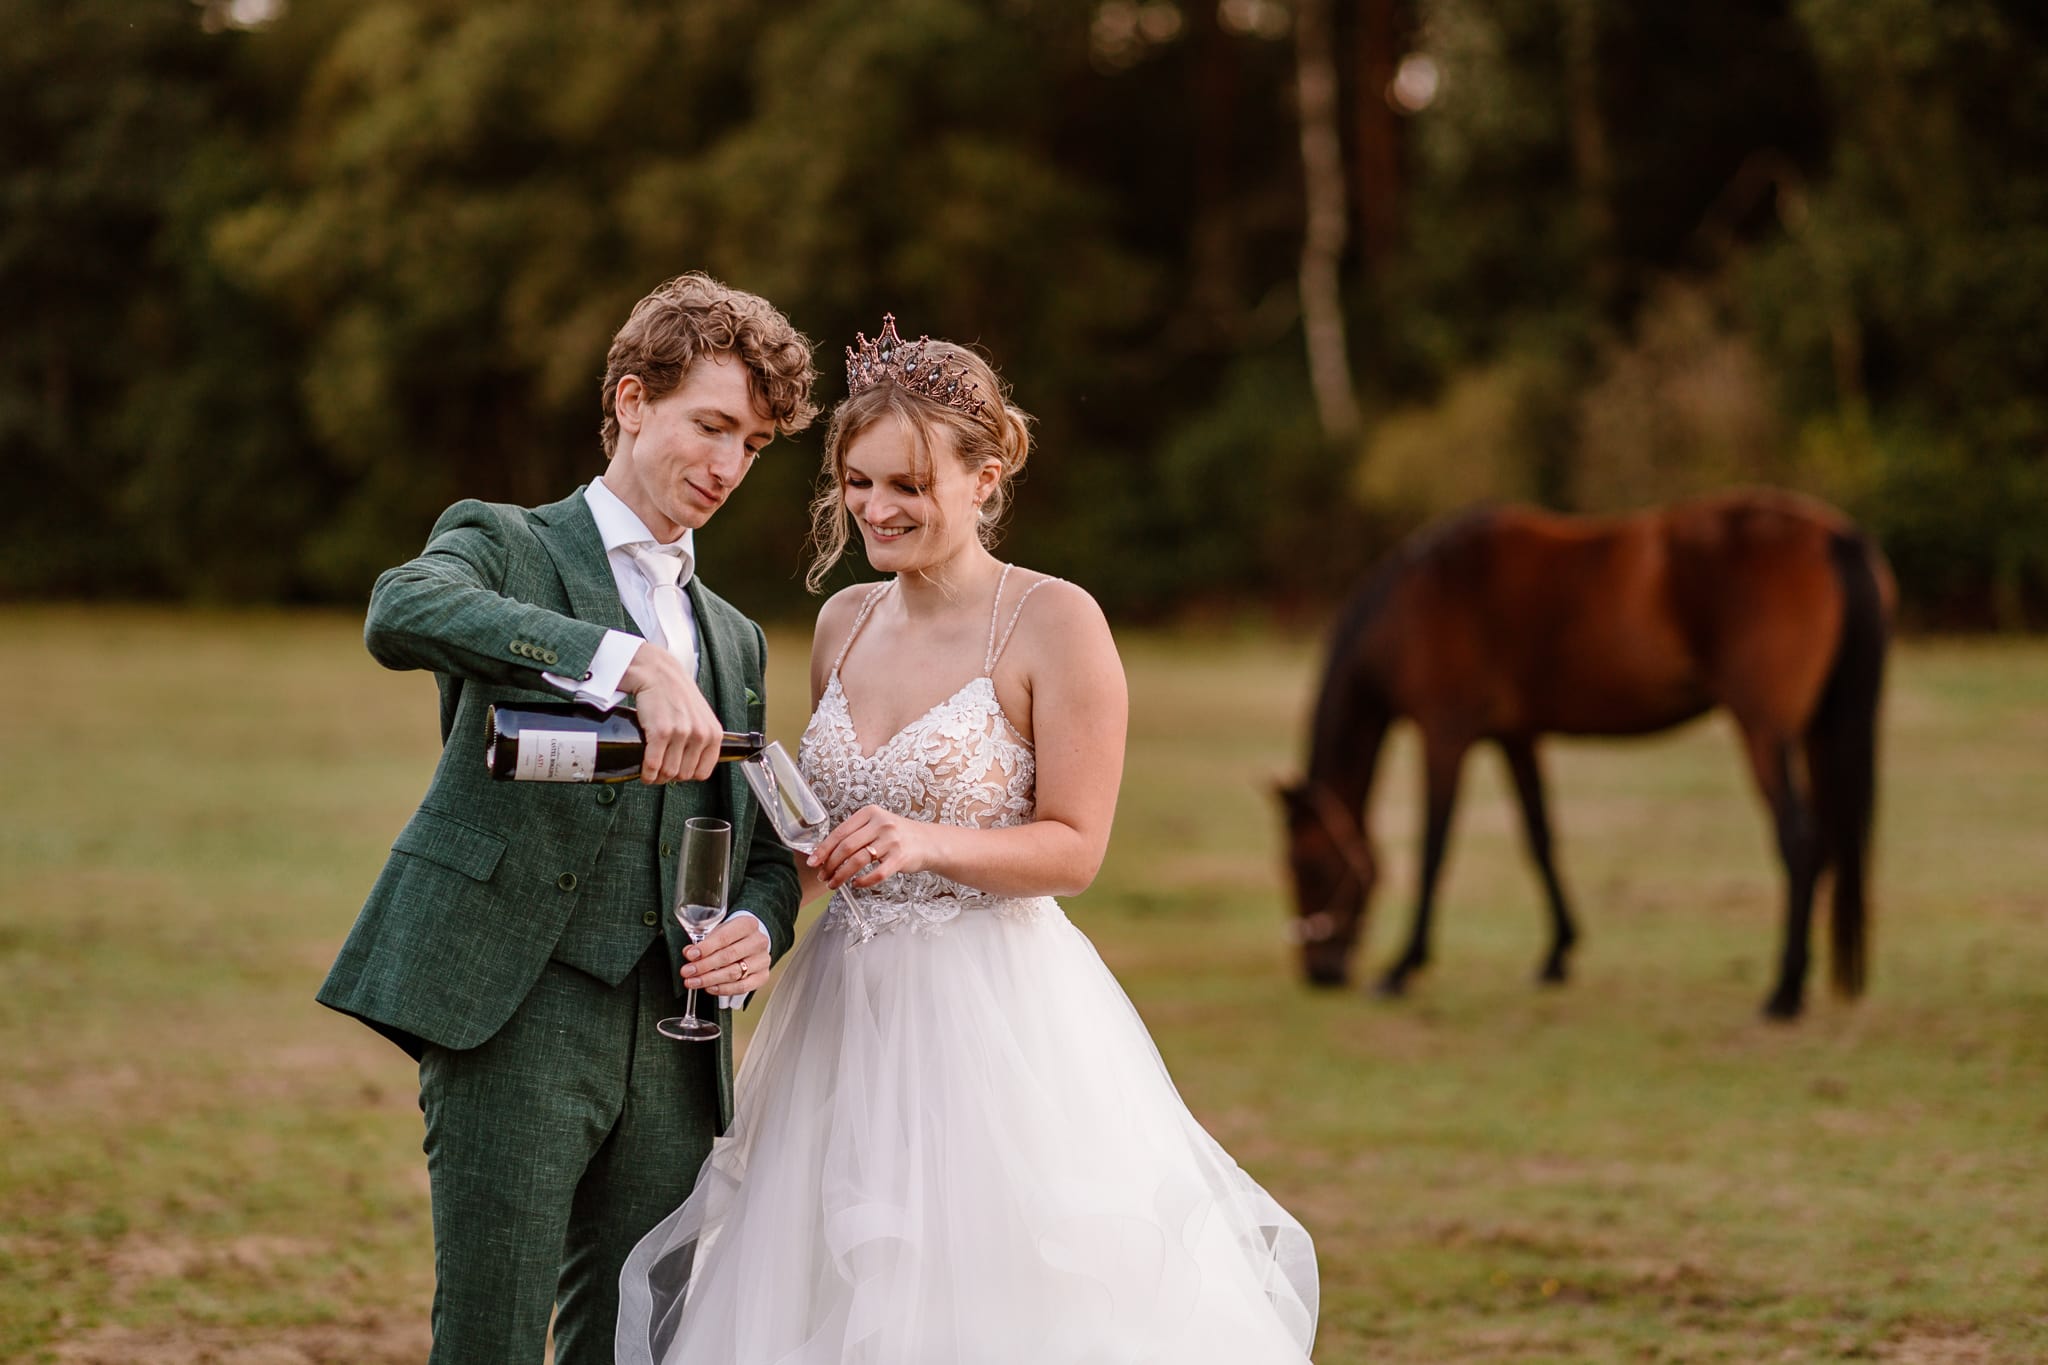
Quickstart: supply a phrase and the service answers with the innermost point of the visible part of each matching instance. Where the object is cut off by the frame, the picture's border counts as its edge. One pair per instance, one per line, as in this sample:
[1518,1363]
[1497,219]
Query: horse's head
[1331,865]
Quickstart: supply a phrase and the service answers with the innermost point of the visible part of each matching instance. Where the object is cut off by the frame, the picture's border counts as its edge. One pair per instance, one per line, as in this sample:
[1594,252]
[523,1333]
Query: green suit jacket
[483,879]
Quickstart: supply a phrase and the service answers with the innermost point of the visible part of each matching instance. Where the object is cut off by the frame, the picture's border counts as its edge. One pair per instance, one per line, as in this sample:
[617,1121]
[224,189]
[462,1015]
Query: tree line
[284,277]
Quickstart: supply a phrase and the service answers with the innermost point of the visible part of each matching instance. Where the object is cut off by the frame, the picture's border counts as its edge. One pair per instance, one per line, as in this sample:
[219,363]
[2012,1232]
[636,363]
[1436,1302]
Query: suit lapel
[721,652]
[722,649]
[568,532]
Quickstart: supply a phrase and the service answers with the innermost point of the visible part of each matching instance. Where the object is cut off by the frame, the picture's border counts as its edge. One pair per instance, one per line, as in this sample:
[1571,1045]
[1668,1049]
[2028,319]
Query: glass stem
[690,1002]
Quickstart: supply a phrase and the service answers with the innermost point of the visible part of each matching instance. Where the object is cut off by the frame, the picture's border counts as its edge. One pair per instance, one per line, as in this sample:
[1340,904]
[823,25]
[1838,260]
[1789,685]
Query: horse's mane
[1363,608]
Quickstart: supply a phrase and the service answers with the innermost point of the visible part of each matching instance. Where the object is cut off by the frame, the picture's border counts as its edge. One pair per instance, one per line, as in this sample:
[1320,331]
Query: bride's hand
[871,844]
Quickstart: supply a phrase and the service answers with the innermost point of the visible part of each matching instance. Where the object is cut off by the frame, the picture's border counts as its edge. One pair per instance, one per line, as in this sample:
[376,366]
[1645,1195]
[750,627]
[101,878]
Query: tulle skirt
[955,1144]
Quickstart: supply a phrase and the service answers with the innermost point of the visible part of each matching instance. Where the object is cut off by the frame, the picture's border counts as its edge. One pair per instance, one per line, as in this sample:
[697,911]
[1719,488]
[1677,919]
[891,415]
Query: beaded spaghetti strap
[996,649]
[868,605]
[989,650]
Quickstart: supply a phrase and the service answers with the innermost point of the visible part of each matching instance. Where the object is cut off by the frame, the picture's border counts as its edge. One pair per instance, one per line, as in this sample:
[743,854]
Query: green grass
[197,1163]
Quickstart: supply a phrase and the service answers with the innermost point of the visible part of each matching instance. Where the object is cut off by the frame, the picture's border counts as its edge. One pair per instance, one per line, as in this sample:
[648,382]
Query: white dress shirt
[620,527]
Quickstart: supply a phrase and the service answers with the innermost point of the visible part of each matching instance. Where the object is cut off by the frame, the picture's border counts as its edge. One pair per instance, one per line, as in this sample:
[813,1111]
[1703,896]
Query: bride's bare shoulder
[1058,610]
[844,605]
[835,619]
[1051,595]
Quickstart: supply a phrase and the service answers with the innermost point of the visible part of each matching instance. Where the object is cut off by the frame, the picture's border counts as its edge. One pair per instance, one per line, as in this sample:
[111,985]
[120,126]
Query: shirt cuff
[739,1002]
[600,686]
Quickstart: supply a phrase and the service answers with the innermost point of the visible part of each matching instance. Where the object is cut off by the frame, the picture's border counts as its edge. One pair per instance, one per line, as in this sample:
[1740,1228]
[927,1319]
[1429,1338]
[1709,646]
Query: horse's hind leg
[1443,761]
[1521,756]
[1798,846]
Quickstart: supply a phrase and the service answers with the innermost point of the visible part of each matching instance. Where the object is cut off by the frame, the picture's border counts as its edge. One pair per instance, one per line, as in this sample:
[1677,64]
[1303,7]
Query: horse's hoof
[1782,1008]
[1391,987]
[1553,974]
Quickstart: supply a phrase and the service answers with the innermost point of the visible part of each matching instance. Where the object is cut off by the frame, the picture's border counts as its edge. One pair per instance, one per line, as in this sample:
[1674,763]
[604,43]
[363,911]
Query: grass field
[199,1164]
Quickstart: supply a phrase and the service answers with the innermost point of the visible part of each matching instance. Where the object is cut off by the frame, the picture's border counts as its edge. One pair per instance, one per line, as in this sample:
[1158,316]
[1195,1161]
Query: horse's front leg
[1443,761]
[1521,756]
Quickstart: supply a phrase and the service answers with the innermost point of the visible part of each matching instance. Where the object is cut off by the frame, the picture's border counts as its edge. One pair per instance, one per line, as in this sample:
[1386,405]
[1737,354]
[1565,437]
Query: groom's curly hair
[693,316]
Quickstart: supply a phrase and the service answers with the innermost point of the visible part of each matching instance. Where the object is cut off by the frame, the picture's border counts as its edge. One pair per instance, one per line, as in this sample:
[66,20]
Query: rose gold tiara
[908,365]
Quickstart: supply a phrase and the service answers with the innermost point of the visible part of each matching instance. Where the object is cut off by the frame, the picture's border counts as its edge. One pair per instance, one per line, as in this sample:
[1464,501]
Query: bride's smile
[917,507]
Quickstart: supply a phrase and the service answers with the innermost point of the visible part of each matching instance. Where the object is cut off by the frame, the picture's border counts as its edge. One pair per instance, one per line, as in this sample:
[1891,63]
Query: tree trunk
[1590,168]
[1322,246]
[1376,149]
[1215,297]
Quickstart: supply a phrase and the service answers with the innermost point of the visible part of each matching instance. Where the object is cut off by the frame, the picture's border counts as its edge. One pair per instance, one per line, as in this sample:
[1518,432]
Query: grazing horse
[1508,623]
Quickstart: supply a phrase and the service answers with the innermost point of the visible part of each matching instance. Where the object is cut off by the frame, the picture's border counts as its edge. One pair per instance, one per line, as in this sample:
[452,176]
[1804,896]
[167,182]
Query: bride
[955,1143]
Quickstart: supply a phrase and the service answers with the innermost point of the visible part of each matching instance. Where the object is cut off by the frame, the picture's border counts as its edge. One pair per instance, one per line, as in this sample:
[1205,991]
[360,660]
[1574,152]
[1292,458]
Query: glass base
[687,1029]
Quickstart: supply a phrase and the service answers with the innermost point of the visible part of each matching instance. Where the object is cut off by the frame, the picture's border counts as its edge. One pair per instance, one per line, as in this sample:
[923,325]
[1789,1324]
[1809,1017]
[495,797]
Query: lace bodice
[960,763]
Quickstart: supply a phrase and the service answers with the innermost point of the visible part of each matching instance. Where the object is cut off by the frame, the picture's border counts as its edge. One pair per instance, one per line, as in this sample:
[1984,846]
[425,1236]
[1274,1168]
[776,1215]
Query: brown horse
[1509,623]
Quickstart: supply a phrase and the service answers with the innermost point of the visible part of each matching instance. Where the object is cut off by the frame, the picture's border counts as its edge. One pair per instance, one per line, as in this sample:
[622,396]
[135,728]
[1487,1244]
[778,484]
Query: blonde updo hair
[999,431]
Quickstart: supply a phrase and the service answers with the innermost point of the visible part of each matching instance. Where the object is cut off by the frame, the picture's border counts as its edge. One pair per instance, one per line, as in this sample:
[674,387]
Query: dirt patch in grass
[137,1260]
[369,1340]
[1942,1345]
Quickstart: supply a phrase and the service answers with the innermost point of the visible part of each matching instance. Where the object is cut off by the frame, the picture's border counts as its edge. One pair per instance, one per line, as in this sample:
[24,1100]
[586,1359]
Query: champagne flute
[795,812]
[793,809]
[700,906]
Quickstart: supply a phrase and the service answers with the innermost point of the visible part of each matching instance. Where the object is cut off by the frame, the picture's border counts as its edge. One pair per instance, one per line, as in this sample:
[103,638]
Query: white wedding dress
[955,1143]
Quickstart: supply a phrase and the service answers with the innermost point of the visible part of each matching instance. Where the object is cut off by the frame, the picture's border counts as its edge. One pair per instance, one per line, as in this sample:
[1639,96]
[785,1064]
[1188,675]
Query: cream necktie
[662,568]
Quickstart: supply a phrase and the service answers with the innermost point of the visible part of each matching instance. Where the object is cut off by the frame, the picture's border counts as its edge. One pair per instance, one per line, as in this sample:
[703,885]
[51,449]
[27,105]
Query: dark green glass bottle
[570,742]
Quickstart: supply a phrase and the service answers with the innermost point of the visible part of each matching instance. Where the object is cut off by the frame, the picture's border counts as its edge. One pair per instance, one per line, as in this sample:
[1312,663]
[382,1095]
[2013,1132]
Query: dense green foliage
[278,293]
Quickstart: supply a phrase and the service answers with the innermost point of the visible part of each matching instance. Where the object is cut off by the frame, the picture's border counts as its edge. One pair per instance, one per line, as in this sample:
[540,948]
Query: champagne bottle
[570,742]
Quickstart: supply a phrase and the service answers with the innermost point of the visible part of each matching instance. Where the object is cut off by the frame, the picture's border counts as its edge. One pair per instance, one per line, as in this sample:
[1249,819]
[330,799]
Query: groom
[516,944]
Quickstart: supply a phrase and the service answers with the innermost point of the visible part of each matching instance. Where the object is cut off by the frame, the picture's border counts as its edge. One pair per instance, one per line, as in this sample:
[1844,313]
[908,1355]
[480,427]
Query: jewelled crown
[908,365]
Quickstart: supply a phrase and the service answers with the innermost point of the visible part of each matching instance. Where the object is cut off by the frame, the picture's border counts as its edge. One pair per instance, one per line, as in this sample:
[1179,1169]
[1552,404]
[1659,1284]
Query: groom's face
[680,456]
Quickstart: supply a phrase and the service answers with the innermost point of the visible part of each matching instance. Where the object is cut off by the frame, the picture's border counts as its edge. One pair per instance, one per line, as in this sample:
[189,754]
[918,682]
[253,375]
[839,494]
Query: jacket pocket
[451,843]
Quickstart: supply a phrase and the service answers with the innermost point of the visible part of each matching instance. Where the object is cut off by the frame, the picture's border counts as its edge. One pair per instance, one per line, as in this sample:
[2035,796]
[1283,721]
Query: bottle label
[556,756]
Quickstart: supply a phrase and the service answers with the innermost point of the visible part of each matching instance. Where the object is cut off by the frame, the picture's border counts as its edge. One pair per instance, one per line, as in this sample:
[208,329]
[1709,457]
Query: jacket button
[668,850]
[551,657]
[650,919]
[606,795]
[567,881]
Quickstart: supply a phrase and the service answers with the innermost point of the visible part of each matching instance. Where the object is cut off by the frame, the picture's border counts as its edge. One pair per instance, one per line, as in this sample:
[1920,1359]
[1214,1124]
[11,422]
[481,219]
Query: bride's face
[913,514]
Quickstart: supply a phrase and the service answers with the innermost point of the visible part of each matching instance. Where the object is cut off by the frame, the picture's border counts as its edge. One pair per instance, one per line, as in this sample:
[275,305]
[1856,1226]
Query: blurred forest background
[284,277]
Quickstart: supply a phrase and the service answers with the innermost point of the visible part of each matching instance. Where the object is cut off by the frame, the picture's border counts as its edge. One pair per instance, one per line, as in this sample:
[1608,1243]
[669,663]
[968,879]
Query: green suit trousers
[552,1148]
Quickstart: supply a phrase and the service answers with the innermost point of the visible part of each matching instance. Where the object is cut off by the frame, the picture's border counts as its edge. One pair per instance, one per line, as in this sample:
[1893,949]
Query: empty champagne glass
[792,808]
[700,905]
[795,812]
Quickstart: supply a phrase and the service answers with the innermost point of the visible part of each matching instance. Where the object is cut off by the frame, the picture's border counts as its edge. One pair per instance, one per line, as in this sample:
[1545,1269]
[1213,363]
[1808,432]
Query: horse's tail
[1841,748]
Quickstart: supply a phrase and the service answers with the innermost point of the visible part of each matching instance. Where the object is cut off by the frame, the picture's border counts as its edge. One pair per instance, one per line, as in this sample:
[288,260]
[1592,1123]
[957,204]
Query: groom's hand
[732,959]
[682,730]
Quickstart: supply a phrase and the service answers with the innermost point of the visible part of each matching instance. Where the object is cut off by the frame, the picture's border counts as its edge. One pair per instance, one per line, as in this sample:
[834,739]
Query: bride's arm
[1066,659]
